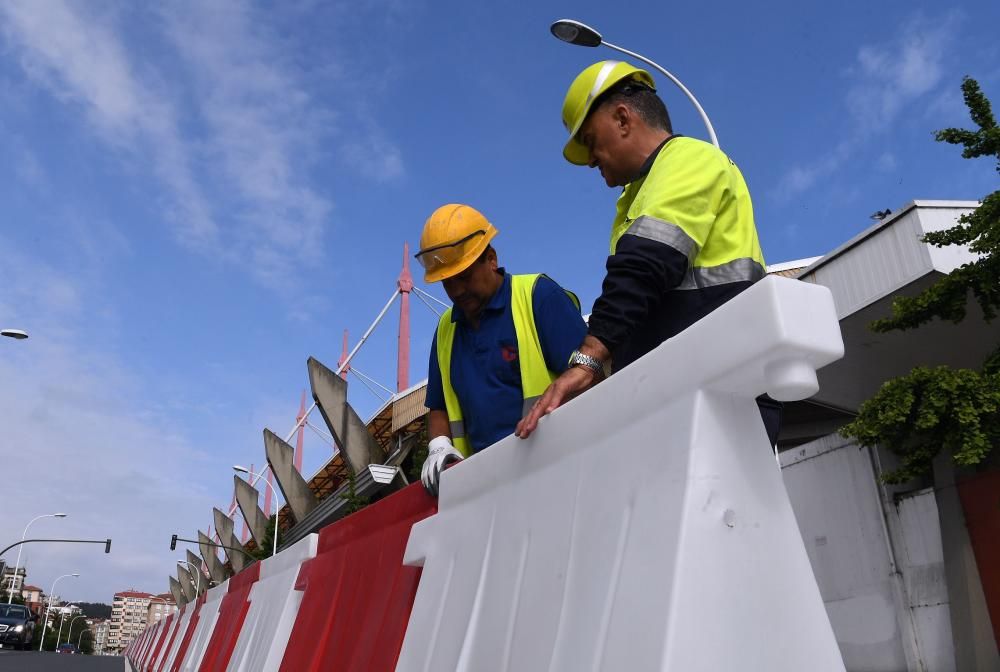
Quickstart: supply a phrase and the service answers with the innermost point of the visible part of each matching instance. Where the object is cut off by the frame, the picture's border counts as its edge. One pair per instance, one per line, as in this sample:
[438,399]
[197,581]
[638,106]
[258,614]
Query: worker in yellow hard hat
[496,349]
[683,240]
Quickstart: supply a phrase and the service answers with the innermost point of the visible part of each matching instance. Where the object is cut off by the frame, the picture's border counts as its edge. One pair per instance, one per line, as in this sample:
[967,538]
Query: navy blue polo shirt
[485,370]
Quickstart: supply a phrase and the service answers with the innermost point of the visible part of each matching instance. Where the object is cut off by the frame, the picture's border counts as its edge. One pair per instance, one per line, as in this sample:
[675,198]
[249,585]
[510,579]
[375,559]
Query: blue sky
[198,196]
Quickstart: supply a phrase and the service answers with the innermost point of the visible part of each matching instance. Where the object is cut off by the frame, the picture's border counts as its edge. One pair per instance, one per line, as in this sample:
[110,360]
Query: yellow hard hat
[587,86]
[454,236]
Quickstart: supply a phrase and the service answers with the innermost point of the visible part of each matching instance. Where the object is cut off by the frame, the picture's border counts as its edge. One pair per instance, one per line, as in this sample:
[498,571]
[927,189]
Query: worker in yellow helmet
[504,340]
[683,240]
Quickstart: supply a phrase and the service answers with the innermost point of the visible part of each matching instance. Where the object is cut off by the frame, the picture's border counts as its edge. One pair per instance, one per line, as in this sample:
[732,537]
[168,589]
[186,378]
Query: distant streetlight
[79,641]
[244,470]
[17,565]
[69,636]
[197,571]
[48,607]
[18,334]
[582,35]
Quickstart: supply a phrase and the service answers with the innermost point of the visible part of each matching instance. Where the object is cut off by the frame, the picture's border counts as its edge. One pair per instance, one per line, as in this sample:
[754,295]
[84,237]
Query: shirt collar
[648,165]
[498,303]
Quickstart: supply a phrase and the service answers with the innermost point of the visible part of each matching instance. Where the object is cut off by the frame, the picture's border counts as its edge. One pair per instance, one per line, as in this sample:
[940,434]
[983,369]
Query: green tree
[933,409]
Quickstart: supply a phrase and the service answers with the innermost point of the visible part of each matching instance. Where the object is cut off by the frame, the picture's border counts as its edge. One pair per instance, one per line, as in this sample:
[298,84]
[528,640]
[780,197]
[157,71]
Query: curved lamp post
[17,565]
[69,636]
[83,632]
[244,470]
[48,607]
[580,34]
[197,572]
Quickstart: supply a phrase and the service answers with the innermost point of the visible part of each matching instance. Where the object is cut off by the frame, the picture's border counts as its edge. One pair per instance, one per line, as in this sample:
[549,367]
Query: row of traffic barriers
[336,600]
[644,526]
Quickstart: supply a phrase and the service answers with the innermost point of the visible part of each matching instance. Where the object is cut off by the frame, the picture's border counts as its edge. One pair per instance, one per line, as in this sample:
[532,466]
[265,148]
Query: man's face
[473,288]
[604,133]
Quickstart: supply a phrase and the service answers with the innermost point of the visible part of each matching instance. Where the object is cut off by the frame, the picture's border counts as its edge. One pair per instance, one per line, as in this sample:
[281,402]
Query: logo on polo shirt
[508,352]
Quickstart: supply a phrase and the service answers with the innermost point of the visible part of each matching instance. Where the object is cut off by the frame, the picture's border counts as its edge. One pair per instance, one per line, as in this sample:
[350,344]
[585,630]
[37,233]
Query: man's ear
[491,259]
[623,118]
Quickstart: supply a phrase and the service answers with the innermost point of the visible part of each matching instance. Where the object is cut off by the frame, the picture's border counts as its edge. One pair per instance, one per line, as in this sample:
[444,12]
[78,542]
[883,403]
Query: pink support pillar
[405,284]
[343,358]
[301,434]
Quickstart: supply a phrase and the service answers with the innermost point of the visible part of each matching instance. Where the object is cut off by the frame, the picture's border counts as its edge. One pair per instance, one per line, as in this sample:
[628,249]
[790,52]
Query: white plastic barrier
[644,526]
[143,643]
[185,620]
[170,634]
[274,603]
[155,632]
[207,617]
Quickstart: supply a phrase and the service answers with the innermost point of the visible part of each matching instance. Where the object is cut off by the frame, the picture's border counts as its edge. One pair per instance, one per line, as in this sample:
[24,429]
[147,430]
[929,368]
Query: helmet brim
[576,153]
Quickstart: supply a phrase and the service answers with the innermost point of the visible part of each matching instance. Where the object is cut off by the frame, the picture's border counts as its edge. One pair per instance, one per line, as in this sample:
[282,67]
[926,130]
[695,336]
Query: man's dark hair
[640,98]
[482,257]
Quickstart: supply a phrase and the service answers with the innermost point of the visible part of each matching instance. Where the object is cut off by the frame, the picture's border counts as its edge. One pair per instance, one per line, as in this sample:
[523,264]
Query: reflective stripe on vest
[535,375]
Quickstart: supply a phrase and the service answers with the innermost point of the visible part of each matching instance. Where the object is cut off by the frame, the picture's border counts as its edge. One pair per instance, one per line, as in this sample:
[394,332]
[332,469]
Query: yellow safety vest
[695,200]
[535,375]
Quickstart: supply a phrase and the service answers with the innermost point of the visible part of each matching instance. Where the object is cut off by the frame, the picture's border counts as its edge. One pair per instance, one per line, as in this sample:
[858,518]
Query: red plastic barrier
[154,651]
[192,625]
[358,595]
[232,611]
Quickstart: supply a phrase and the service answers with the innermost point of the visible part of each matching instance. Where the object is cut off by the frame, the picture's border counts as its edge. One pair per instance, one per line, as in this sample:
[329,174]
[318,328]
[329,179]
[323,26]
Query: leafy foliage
[917,415]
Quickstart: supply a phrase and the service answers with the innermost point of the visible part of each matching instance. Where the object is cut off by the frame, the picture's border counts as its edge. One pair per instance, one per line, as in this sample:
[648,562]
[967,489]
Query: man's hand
[440,454]
[571,383]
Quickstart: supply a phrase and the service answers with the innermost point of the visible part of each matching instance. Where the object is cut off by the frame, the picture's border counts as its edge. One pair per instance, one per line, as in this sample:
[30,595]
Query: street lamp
[48,607]
[17,565]
[197,571]
[165,603]
[79,640]
[18,334]
[274,492]
[580,34]
[69,637]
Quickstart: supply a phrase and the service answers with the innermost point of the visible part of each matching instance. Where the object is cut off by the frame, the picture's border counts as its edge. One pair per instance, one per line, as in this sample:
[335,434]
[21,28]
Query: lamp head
[241,469]
[14,333]
[575,32]
[74,574]
[59,515]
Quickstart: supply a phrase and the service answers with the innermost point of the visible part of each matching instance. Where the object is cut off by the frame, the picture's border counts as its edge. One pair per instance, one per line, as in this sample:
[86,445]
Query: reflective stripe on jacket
[682,243]
[535,375]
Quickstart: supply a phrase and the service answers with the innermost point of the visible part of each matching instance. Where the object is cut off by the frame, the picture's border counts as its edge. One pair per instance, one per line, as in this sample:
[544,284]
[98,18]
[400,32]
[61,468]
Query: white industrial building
[895,564]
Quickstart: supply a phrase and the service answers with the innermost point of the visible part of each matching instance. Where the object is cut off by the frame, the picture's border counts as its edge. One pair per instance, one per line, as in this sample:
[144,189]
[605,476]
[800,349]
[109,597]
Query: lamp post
[165,603]
[580,34]
[79,640]
[69,635]
[17,565]
[197,572]
[17,334]
[48,607]
[244,470]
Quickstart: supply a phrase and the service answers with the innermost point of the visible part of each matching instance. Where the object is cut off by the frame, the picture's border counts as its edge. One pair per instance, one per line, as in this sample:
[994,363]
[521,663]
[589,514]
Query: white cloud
[80,59]
[224,112]
[889,77]
[886,80]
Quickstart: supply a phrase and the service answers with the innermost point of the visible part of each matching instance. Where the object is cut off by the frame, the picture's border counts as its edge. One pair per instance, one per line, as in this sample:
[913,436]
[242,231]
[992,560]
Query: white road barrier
[644,526]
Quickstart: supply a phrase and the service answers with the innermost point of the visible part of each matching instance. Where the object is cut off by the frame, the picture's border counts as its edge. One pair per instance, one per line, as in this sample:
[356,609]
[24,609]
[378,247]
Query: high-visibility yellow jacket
[683,242]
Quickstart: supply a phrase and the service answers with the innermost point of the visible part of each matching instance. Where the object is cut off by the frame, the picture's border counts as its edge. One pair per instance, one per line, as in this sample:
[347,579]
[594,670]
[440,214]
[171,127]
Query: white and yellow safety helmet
[582,93]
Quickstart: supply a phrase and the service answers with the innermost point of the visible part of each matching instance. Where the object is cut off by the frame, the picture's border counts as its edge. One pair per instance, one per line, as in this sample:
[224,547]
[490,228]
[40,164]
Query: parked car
[17,626]
[68,647]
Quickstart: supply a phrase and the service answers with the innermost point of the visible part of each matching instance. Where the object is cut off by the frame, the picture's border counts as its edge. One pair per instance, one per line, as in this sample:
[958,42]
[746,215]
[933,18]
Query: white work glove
[440,454]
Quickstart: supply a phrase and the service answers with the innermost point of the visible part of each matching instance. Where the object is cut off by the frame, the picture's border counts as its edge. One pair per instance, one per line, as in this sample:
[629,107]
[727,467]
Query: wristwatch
[577,358]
